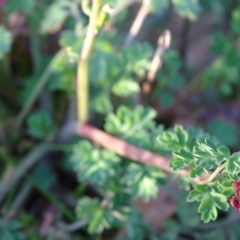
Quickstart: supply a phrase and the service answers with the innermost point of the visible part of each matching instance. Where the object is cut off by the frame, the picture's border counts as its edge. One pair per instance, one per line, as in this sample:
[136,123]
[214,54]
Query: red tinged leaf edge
[236,185]
[235,202]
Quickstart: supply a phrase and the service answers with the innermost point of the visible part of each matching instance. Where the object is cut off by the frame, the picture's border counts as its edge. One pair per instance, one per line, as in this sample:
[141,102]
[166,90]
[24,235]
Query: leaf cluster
[120,181]
[203,155]
[135,126]
[115,177]
[115,73]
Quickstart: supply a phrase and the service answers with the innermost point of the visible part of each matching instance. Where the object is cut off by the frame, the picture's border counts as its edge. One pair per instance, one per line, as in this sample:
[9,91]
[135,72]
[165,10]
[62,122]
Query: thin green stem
[53,199]
[35,93]
[35,45]
[23,167]
[83,62]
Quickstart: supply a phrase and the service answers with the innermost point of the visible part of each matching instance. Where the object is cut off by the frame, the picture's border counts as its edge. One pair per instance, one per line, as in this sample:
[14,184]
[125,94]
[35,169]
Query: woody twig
[156,63]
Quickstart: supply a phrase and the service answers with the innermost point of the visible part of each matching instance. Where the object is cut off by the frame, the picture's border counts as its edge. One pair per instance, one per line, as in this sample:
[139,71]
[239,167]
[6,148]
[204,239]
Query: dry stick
[137,154]
[163,44]
[23,167]
[140,18]
[125,149]
[134,30]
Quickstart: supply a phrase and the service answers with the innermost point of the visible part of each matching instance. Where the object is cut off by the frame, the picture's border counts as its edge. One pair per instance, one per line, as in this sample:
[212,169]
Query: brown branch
[127,150]
[134,30]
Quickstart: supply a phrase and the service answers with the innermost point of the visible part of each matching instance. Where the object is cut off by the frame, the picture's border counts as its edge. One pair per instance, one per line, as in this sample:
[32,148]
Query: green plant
[109,89]
[202,155]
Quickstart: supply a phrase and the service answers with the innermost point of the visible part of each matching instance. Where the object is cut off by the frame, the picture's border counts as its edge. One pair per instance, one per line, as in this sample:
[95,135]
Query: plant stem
[83,62]
[138,22]
[214,174]
[23,167]
[156,63]
[52,198]
[73,226]
[127,150]
[35,46]
[137,154]
[18,202]
[35,93]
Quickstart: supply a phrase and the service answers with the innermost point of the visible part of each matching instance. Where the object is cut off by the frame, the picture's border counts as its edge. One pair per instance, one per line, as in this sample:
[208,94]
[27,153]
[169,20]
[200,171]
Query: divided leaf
[136,58]
[224,151]
[207,209]
[125,87]
[196,195]
[181,159]
[86,209]
[181,134]
[128,122]
[233,164]
[173,139]
[208,156]
[220,201]
[40,125]
[225,187]
[99,217]
[196,172]
[147,188]
[94,165]
[55,16]
[101,102]
[143,180]
[187,8]
[210,201]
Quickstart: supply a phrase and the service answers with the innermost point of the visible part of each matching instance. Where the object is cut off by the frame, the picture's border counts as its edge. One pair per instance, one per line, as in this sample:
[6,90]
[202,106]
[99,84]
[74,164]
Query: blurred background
[56,185]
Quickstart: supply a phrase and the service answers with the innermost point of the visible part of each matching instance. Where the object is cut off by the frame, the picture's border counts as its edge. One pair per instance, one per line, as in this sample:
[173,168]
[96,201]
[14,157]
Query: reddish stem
[127,150]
